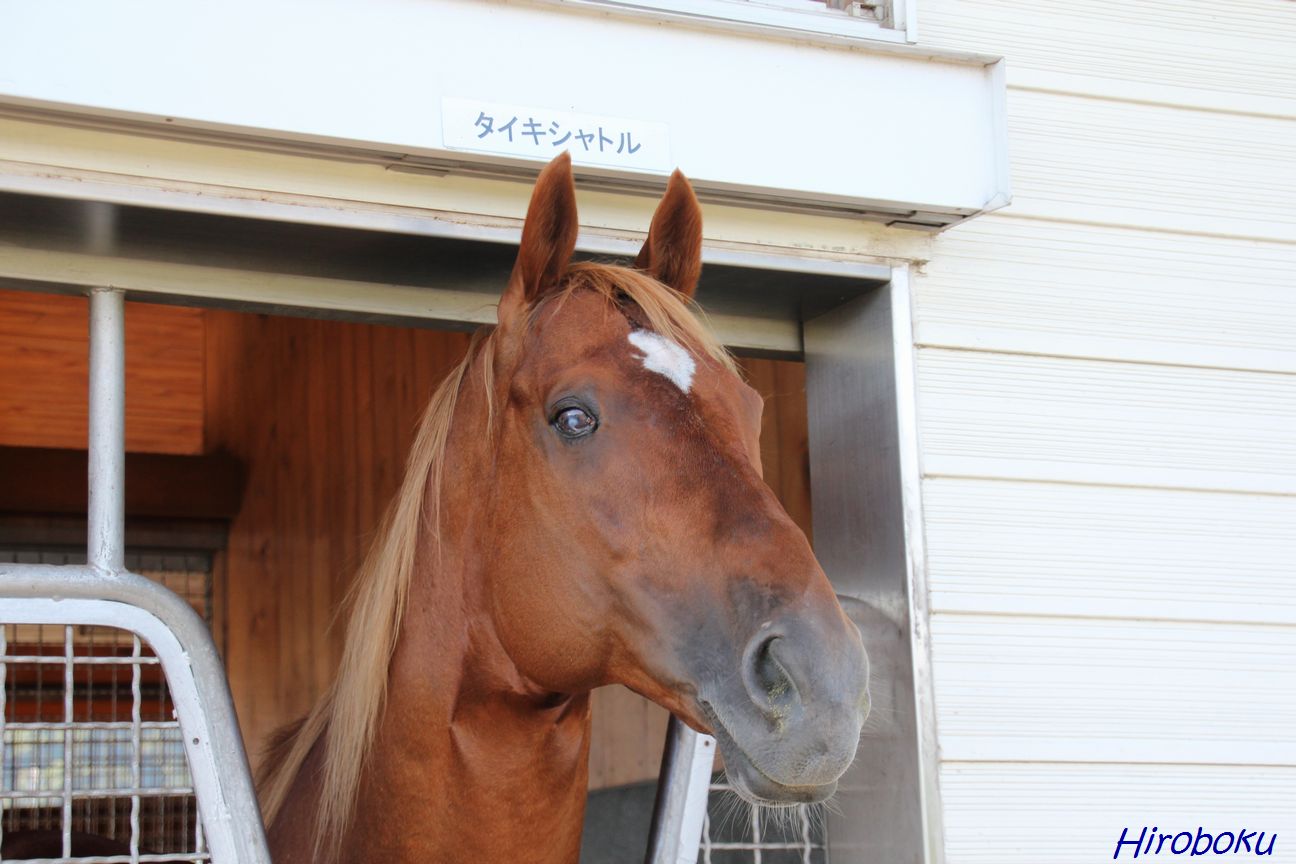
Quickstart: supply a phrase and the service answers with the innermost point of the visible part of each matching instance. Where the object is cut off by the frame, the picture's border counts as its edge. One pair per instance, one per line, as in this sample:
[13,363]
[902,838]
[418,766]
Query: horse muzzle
[788,724]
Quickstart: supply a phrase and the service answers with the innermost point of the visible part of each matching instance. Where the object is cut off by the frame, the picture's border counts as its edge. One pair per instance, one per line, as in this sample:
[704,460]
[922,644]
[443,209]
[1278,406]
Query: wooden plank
[348,546]
[296,668]
[760,375]
[45,480]
[1080,421]
[1074,814]
[25,530]
[1237,57]
[1013,688]
[793,443]
[627,733]
[44,374]
[1146,166]
[1023,285]
[785,448]
[1049,549]
[238,419]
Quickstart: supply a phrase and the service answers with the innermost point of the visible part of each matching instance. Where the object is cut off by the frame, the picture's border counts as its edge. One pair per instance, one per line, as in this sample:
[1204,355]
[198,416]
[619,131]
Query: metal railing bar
[68,716]
[57,659]
[106,512]
[682,790]
[734,846]
[4,708]
[200,842]
[137,755]
[805,835]
[117,792]
[116,859]
[95,725]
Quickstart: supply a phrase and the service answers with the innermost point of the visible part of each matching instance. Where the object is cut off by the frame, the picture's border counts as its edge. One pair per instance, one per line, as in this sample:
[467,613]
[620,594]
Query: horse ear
[548,238]
[672,254]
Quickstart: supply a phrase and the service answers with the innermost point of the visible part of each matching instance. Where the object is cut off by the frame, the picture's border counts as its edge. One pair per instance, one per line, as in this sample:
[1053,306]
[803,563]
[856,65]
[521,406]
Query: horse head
[632,538]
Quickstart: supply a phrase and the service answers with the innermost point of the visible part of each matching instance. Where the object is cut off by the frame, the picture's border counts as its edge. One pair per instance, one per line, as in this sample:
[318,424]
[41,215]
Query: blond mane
[345,718]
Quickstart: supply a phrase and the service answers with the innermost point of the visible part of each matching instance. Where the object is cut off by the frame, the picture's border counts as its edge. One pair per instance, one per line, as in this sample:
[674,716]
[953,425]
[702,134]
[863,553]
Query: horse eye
[575,422]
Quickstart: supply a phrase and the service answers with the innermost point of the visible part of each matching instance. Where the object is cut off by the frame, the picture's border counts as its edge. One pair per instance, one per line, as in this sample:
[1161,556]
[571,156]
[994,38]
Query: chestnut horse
[583,506]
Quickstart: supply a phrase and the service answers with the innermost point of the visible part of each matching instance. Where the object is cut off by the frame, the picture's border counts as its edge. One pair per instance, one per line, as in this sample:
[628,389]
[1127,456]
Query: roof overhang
[896,133]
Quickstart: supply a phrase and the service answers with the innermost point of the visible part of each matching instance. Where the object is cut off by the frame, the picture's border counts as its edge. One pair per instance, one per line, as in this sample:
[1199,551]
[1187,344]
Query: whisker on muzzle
[730,806]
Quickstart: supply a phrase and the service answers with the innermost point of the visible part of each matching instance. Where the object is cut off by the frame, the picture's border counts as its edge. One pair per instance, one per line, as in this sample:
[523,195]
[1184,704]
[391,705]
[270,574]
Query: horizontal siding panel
[1091,291]
[1051,549]
[1012,688]
[1150,166]
[1074,814]
[1043,418]
[1239,49]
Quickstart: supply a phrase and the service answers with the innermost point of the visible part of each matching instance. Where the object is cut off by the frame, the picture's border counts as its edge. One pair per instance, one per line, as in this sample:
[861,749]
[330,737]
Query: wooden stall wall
[44,374]
[322,414]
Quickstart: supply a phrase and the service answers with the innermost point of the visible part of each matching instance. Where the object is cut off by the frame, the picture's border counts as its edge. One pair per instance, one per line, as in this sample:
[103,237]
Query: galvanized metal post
[682,792]
[106,518]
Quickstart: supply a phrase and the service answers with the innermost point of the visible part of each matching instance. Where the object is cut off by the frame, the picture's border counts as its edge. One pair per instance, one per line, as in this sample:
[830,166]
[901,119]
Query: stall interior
[263,450]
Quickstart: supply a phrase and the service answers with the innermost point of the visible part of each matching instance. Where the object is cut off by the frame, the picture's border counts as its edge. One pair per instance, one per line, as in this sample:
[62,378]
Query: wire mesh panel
[736,833]
[92,757]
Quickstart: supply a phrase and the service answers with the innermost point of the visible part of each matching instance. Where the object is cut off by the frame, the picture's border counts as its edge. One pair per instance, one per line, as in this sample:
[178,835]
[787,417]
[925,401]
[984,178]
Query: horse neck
[471,761]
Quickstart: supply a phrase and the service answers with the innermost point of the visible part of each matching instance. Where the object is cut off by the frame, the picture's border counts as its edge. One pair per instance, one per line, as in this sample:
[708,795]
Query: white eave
[755,115]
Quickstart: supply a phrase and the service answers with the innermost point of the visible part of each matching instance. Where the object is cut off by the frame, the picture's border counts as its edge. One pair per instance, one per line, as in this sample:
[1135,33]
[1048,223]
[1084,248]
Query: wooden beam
[46,480]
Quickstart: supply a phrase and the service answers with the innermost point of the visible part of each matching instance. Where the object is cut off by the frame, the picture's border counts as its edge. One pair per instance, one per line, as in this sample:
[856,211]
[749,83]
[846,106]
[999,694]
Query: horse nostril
[769,684]
[770,673]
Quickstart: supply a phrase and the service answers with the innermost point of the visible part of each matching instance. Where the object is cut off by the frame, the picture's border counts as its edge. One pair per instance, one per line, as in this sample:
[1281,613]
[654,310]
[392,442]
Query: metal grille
[735,833]
[93,760]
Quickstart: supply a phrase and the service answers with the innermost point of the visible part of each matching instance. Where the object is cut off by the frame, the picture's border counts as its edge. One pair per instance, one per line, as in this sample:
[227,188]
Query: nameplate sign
[542,133]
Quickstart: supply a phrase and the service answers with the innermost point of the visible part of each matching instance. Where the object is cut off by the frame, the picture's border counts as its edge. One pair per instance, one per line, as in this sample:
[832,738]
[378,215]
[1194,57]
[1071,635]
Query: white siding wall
[1107,402]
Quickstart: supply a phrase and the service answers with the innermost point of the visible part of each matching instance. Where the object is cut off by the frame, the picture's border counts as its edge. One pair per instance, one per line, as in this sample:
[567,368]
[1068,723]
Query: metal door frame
[866,491]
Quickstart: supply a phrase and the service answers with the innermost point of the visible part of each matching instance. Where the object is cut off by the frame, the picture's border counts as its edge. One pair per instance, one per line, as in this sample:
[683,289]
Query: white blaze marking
[665,358]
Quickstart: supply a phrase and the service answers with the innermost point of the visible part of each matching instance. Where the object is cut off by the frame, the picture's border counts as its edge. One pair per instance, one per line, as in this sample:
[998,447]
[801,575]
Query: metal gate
[49,759]
[86,715]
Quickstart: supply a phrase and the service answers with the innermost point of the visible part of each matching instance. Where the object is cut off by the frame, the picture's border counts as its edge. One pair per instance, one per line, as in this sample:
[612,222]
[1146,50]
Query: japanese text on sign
[541,133]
